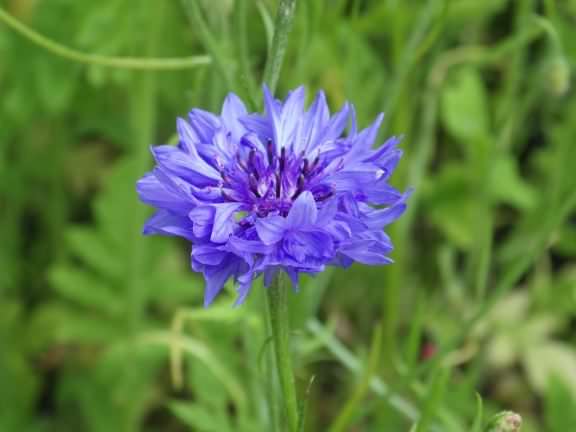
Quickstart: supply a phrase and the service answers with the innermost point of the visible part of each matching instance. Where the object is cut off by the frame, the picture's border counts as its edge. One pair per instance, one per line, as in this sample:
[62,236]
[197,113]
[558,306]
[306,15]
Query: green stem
[279,323]
[198,22]
[282,27]
[100,60]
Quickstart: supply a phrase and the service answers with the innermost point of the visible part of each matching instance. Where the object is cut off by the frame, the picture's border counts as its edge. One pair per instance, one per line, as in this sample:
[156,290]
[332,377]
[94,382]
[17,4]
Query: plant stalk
[145,63]
[282,27]
[277,296]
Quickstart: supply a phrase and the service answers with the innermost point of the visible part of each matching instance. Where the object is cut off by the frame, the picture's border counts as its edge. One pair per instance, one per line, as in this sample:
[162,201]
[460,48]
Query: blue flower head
[286,190]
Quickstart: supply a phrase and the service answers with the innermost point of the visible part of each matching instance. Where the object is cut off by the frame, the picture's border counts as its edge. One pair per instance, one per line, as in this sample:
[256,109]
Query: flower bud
[506,421]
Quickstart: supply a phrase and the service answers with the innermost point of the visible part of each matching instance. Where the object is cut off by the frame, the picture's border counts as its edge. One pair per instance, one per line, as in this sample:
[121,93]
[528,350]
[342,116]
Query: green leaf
[58,323]
[559,407]
[472,11]
[507,185]
[112,390]
[551,360]
[20,387]
[478,418]
[112,204]
[566,243]
[20,381]
[465,106]
[433,400]
[91,246]
[200,418]
[451,206]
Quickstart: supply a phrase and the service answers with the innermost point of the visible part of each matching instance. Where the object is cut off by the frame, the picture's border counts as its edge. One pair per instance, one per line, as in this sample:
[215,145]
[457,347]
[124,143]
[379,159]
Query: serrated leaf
[92,247]
[116,201]
[85,290]
[112,392]
[59,323]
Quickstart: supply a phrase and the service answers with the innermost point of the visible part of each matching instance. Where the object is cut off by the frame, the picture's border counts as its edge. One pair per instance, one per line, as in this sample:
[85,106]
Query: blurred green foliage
[97,322]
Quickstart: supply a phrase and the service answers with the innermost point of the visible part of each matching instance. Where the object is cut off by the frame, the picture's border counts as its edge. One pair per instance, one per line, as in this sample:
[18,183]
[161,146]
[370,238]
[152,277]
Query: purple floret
[281,191]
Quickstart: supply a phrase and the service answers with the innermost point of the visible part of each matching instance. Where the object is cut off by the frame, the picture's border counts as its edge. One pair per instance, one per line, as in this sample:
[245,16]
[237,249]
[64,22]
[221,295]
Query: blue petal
[273,110]
[195,170]
[349,181]
[315,121]
[207,194]
[327,212]
[371,252]
[214,285]
[366,138]
[259,125]
[386,158]
[208,254]
[232,110]
[382,194]
[202,218]
[365,186]
[204,124]
[224,222]
[333,129]
[303,244]
[166,223]
[378,219]
[293,275]
[388,149]
[244,285]
[216,276]
[159,194]
[188,138]
[242,246]
[353,123]
[271,229]
[285,118]
[227,147]
[243,291]
[339,230]
[291,115]
[303,211]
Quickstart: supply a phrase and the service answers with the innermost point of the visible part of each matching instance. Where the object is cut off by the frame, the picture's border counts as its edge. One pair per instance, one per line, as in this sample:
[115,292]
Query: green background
[102,329]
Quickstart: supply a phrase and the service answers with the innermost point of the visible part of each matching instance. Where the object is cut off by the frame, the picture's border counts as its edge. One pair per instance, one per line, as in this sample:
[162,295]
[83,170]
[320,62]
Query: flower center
[270,182]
